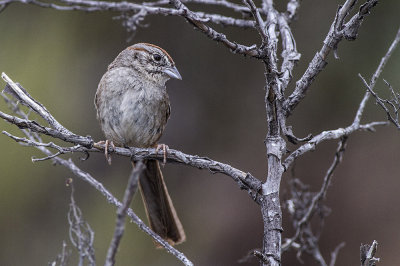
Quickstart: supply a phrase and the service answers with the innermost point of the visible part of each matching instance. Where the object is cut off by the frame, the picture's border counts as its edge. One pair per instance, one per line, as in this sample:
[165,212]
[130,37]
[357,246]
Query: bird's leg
[108,156]
[164,148]
[107,144]
[132,150]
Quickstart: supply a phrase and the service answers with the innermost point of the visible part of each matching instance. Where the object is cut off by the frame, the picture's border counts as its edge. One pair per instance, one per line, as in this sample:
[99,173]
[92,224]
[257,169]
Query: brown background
[217,111]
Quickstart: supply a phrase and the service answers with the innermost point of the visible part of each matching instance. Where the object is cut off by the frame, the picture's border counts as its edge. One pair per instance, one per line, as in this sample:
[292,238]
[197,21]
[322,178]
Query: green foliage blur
[217,111]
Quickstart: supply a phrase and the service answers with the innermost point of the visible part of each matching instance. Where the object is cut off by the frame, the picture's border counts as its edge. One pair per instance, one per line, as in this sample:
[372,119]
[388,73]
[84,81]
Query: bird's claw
[107,144]
[164,148]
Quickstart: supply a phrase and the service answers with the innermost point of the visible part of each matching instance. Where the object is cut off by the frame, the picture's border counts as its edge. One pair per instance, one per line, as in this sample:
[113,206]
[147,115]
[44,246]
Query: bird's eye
[157,57]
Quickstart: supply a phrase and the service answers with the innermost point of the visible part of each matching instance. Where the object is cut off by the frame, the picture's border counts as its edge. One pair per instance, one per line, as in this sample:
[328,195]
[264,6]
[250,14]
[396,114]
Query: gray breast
[136,110]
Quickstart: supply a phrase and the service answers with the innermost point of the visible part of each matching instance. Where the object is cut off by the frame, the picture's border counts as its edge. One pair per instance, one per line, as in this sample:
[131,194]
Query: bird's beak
[173,72]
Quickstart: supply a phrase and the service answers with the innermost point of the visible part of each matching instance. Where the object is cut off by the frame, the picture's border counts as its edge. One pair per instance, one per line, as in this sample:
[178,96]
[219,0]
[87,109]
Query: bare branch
[274,143]
[123,7]
[338,133]
[197,22]
[244,180]
[36,106]
[112,200]
[337,32]
[343,12]
[259,23]
[335,252]
[80,232]
[235,7]
[35,127]
[227,4]
[32,138]
[395,106]
[109,197]
[130,191]
[367,253]
[376,75]
[225,21]
[61,150]
[271,48]
[85,144]
[289,52]
[62,258]
[251,254]
[319,196]
[328,135]
[291,10]
[278,108]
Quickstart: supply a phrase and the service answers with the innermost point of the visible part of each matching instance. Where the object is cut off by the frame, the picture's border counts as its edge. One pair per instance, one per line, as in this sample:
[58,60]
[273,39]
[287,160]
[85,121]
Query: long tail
[158,205]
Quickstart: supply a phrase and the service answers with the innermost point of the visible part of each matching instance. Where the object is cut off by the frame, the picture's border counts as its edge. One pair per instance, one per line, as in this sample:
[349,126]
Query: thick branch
[289,52]
[35,127]
[244,180]
[275,145]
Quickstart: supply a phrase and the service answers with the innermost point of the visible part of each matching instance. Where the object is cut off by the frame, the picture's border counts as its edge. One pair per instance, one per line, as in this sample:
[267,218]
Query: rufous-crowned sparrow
[133,108]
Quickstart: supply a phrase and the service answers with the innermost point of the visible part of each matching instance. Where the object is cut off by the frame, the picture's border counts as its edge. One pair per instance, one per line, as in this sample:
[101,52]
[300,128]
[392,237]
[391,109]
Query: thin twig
[382,102]
[259,23]
[124,7]
[329,135]
[367,253]
[338,133]
[61,150]
[112,200]
[335,252]
[62,258]
[130,191]
[80,232]
[36,106]
[376,75]
[319,196]
[291,10]
[337,32]
[199,23]
[235,7]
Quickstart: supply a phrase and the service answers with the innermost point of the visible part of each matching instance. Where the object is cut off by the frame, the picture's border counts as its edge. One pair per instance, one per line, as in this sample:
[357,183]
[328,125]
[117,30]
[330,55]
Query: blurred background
[217,111]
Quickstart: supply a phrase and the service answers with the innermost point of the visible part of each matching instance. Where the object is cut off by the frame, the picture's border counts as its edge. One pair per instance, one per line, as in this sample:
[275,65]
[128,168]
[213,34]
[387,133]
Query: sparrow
[133,109]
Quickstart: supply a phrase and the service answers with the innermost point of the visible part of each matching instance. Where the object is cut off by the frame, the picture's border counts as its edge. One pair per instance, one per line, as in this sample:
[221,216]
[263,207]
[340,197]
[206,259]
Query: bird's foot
[164,148]
[107,144]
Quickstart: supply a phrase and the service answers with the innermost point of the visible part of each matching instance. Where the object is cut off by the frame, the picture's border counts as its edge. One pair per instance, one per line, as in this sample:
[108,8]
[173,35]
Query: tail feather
[158,205]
